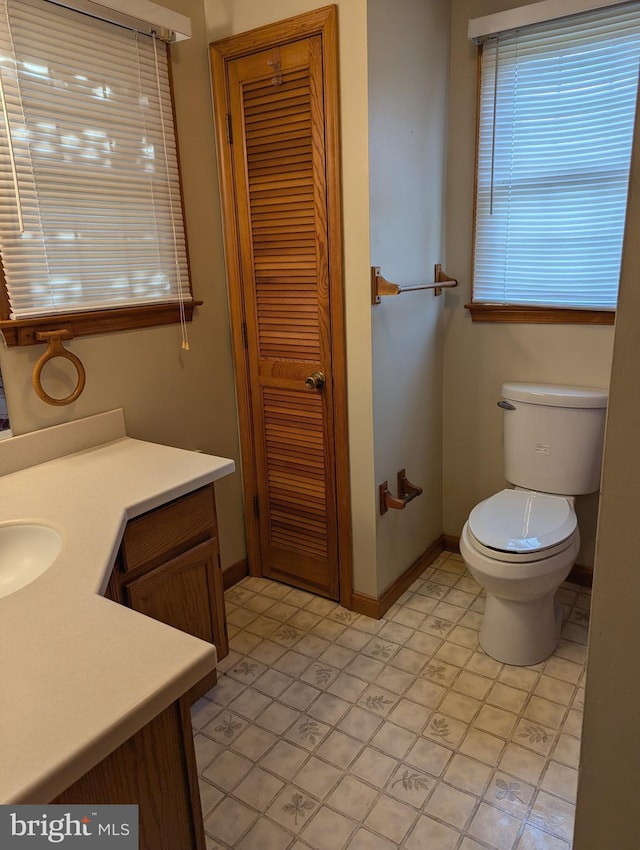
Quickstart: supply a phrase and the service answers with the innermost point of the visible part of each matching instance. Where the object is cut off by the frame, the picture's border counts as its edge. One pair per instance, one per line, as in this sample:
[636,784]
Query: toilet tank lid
[556,395]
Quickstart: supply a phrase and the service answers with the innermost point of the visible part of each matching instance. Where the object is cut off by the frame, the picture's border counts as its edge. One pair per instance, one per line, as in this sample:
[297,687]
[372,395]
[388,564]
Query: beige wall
[607,808]
[408,82]
[227,17]
[187,399]
[480,357]
[184,399]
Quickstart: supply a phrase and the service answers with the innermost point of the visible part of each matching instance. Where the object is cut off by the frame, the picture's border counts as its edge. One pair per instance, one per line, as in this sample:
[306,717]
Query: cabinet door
[185,593]
[156,770]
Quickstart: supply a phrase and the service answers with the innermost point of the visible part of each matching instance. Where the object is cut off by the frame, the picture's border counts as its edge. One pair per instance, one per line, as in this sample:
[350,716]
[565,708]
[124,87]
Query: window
[91,231]
[556,114]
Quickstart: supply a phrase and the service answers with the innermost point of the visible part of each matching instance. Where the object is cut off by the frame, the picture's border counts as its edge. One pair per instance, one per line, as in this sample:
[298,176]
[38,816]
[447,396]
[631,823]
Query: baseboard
[451,543]
[578,575]
[374,607]
[377,607]
[234,573]
[581,575]
[363,604]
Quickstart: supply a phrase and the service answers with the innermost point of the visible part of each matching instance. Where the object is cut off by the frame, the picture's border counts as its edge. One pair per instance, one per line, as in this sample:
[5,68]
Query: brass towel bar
[380,286]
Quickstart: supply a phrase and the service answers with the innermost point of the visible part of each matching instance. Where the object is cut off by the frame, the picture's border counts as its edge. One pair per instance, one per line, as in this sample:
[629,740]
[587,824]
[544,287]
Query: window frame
[520,313]
[20,332]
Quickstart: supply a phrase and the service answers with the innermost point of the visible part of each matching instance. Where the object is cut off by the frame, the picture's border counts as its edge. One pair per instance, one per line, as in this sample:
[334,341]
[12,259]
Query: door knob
[315,381]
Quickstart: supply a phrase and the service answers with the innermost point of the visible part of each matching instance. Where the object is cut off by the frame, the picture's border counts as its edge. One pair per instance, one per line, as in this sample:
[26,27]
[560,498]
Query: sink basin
[26,551]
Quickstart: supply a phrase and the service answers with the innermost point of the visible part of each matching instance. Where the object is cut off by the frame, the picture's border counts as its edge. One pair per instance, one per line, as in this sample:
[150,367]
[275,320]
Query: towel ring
[56,349]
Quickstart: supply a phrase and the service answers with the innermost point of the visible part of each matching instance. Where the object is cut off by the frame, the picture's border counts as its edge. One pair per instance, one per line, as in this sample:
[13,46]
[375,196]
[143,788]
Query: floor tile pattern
[330,730]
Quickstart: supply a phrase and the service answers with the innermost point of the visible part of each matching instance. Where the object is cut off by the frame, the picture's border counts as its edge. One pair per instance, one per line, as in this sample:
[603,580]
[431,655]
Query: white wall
[607,807]
[228,17]
[478,358]
[184,399]
[408,81]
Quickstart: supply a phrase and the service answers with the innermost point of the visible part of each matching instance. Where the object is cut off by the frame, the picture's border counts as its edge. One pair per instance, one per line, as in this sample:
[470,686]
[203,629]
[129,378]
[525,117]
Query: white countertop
[80,674]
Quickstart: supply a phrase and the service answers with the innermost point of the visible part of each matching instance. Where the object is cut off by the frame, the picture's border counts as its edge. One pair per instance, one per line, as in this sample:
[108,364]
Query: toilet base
[521,633]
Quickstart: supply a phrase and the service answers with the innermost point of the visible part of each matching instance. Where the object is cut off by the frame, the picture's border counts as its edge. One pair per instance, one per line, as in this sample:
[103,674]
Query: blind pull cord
[12,156]
[183,322]
[493,127]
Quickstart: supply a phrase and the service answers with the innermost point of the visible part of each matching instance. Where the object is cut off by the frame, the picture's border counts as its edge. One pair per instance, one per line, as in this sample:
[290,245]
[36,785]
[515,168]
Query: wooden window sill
[23,331]
[539,315]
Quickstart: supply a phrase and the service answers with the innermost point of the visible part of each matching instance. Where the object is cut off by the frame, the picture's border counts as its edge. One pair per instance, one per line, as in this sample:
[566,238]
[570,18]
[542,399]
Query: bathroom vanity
[95,702]
[156,769]
[168,568]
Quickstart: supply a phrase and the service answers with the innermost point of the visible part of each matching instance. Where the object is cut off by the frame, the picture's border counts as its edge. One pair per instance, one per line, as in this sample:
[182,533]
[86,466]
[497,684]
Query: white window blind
[90,205]
[557,105]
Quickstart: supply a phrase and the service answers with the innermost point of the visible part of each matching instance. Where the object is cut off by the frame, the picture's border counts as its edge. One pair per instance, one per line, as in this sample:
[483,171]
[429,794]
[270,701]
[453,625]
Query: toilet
[520,544]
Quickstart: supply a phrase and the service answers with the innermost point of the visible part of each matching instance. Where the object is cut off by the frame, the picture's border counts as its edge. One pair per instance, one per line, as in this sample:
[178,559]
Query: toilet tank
[553,437]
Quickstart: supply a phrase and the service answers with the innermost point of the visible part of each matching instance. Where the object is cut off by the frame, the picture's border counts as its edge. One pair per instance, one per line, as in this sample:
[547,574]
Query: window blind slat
[99,192]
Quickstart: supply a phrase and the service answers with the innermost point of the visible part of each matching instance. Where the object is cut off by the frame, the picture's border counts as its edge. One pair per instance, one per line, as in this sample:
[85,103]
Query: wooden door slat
[267,151]
[281,248]
[296,103]
[283,133]
[253,89]
[277,119]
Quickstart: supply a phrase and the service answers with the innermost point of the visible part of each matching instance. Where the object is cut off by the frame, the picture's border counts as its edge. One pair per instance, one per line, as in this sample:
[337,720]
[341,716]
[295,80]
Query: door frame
[322,22]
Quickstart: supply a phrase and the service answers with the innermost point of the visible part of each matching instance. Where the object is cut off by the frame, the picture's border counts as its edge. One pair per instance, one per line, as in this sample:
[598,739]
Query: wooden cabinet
[168,568]
[156,770]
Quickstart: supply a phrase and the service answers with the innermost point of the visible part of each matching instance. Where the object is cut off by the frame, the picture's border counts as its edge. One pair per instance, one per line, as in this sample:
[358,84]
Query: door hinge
[256,507]
[229,129]
[245,338]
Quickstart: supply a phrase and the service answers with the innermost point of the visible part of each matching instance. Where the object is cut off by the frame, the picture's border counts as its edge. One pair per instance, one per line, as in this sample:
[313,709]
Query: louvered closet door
[278,156]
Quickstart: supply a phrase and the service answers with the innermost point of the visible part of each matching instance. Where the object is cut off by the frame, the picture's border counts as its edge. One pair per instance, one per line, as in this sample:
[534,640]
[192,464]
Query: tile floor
[330,730]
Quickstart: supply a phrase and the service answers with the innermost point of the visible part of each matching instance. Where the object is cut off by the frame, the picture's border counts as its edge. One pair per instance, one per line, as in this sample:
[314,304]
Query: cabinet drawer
[167,531]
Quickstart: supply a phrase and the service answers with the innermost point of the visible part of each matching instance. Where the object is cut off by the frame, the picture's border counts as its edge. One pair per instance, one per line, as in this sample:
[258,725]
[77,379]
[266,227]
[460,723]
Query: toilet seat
[521,526]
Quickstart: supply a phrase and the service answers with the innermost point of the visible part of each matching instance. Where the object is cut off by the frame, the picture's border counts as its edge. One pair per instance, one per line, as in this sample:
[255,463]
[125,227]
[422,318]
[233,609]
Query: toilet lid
[522,521]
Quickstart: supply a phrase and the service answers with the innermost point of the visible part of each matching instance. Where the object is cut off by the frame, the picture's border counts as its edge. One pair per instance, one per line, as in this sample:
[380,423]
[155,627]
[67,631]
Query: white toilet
[520,544]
